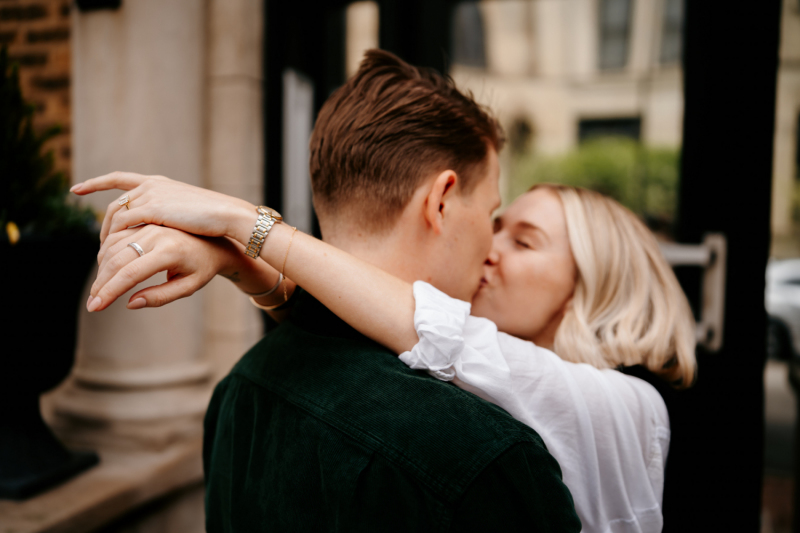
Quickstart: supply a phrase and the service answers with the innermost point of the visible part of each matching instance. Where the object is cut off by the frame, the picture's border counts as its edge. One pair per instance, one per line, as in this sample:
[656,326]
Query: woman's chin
[482,306]
[479,302]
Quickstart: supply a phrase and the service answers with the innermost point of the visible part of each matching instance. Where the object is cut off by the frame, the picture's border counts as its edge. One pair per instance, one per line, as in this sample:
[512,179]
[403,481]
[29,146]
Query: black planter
[42,280]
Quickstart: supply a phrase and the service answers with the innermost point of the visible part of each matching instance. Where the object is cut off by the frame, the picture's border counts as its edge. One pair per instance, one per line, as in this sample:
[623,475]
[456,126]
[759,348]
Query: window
[521,136]
[672,32]
[609,127]
[468,37]
[615,17]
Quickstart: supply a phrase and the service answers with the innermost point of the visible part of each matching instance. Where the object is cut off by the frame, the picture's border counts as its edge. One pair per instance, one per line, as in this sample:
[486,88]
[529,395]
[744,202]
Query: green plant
[33,197]
[643,179]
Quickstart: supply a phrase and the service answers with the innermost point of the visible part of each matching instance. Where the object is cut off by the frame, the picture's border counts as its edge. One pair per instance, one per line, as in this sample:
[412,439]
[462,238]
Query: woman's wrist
[241,222]
[231,264]
[276,245]
[250,276]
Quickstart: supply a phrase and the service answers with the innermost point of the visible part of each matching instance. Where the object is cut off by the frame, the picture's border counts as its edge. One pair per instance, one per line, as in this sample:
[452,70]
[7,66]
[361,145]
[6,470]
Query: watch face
[264,210]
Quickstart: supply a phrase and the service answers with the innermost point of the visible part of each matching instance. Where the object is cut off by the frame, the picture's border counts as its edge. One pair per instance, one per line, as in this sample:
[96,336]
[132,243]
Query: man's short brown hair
[388,128]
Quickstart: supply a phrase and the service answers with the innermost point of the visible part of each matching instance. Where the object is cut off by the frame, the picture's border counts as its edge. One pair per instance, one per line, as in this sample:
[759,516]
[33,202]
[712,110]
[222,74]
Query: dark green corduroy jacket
[318,429]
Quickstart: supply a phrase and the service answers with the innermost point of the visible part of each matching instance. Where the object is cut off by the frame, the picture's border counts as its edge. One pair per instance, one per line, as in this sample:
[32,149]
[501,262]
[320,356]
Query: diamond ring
[137,248]
[125,200]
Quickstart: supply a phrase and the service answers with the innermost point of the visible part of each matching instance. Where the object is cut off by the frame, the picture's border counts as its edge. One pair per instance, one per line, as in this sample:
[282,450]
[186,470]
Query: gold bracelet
[291,239]
[266,307]
[267,292]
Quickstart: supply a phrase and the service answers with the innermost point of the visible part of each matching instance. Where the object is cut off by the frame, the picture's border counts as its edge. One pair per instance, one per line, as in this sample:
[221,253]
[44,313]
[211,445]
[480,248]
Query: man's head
[401,159]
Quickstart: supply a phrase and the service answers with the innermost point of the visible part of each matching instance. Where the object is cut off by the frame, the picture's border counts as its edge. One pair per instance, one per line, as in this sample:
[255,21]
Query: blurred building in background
[561,73]
[558,73]
[590,93]
[786,163]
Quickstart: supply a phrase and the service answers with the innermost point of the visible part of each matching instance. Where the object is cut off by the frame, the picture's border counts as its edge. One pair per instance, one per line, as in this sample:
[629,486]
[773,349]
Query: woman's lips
[482,287]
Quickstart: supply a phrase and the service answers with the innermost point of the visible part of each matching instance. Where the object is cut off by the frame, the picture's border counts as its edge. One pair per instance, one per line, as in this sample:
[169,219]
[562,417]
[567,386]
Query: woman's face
[530,274]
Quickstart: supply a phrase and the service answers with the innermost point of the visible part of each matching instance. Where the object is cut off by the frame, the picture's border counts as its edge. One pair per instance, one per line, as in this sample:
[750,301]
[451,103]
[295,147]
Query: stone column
[141,377]
[168,87]
[234,159]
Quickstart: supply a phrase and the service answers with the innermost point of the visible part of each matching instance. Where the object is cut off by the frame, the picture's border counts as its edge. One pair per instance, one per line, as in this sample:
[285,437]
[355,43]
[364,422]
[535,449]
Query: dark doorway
[714,470]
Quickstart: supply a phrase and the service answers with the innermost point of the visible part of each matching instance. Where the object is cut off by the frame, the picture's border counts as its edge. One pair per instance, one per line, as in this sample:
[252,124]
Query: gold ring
[125,200]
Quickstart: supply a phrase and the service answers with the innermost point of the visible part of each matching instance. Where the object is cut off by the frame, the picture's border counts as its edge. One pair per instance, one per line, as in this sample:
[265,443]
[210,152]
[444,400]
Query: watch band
[266,219]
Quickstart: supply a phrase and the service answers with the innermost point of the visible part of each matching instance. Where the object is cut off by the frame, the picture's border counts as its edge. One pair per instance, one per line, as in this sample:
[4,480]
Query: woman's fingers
[126,181]
[176,288]
[107,248]
[119,256]
[133,217]
[135,197]
[189,261]
[110,210]
[161,201]
[116,180]
[127,277]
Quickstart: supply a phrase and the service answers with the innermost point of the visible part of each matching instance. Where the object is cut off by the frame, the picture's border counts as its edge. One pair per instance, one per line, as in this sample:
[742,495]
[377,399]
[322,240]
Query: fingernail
[138,303]
[75,187]
[94,304]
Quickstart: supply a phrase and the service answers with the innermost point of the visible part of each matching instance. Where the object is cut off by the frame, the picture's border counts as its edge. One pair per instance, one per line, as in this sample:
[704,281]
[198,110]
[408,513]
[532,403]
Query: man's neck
[396,252]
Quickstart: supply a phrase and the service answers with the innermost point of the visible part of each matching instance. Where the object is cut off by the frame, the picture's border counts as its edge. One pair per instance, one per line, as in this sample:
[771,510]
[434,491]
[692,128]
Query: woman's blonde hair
[627,308]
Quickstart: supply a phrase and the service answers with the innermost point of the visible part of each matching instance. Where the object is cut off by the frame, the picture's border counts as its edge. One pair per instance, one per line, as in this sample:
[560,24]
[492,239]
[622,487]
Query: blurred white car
[782,300]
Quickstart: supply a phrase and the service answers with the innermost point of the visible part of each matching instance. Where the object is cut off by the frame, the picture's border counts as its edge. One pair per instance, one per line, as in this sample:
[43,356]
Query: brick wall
[37,33]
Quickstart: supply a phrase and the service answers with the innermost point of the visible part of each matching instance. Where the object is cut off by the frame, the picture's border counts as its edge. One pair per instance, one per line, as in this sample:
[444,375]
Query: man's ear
[439,196]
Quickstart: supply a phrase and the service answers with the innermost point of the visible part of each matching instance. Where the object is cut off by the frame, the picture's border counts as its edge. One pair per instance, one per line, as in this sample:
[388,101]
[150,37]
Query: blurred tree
[32,196]
[643,179]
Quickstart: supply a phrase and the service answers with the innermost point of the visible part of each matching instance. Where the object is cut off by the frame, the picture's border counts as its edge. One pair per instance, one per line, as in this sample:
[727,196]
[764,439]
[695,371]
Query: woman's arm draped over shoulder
[376,303]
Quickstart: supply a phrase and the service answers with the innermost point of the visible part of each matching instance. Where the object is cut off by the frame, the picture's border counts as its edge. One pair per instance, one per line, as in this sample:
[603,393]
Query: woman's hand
[165,202]
[190,263]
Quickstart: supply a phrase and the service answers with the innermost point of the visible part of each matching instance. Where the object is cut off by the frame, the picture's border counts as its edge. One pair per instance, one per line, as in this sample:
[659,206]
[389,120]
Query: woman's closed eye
[523,244]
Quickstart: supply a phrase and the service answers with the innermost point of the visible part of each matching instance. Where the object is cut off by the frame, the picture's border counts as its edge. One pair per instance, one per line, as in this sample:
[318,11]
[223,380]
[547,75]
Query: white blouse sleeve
[608,431]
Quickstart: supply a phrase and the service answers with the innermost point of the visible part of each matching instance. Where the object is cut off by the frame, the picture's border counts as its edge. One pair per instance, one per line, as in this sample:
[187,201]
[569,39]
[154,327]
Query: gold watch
[267,217]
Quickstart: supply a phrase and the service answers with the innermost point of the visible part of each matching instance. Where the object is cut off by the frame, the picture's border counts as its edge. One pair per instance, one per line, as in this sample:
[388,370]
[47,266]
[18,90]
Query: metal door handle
[711,255]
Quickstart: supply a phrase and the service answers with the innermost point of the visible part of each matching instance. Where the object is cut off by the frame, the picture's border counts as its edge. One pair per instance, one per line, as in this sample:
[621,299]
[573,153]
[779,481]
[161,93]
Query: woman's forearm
[255,277]
[374,302]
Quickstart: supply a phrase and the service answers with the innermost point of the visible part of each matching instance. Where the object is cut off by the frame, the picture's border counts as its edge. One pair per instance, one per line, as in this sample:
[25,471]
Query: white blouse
[608,431]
